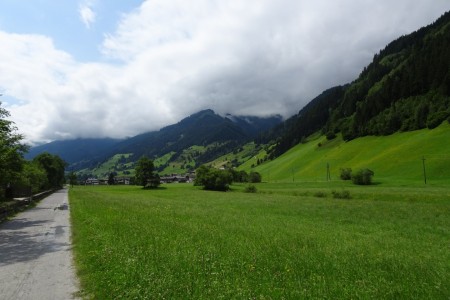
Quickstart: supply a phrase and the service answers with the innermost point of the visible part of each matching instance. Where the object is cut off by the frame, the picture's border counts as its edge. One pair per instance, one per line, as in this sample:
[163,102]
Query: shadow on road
[18,245]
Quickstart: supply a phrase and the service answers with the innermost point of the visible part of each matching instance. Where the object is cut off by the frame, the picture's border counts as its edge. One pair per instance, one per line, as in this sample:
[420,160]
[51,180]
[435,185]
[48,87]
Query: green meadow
[290,240]
[395,159]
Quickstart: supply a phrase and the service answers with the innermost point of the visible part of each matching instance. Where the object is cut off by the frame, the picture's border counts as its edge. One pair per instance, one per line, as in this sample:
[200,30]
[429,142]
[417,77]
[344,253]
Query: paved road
[35,252]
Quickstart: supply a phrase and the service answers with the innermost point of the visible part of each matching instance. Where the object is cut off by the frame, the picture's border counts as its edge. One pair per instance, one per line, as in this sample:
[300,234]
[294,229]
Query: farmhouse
[176,178]
[122,180]
[92,181]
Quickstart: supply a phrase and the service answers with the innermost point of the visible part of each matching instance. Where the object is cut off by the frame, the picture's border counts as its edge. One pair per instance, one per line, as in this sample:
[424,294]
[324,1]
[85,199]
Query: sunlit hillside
[398,157]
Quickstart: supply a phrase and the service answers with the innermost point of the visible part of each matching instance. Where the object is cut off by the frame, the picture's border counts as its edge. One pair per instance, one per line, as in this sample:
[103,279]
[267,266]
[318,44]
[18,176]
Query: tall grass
[180,242]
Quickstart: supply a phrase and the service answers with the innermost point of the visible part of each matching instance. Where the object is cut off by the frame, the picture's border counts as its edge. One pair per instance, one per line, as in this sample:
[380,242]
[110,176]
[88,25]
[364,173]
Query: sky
[112,68]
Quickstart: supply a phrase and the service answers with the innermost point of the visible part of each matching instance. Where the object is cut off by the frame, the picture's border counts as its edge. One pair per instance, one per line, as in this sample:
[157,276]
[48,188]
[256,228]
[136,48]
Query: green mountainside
[394,159]
[406,87]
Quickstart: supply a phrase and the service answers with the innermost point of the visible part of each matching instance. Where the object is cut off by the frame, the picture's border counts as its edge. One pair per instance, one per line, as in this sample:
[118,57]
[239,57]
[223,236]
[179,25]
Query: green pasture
[247,153]
[113,164]
[287,241]
[182,163]
[395,158]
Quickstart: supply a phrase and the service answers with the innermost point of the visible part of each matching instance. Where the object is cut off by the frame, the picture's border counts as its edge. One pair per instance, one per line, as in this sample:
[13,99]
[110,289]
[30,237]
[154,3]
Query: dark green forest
[406,87]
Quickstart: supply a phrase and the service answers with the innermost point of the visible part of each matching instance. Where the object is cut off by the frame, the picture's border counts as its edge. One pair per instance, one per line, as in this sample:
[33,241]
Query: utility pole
[292,169]
[424,171]
[328,172]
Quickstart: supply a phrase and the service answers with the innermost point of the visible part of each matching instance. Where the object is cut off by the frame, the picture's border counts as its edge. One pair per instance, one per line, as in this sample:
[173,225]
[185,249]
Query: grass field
[288,241]
[395,158]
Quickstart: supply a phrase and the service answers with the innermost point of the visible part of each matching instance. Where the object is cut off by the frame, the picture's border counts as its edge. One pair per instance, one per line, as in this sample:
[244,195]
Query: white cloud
[173,58]
[87,15]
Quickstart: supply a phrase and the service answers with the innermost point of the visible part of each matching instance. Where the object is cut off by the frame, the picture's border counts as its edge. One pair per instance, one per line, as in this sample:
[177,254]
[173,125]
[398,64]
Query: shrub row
[220,180]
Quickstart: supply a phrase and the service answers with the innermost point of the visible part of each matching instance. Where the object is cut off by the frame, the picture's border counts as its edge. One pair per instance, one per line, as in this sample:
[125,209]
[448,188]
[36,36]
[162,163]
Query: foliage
[242,176]
[330,135]
[183,243]
[54,167]
[344,194]
[363,177]
[45,171]
[346,173]
[111,178]
[33,175]
[254,177]
[239,176]
[73,178]
[144,173]
[213,179]
[154,181]
[11,152]
[320,194]
[435,119]
[250,189]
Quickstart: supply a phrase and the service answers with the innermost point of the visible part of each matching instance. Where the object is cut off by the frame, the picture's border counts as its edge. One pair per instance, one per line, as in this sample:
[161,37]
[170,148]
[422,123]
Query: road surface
[35,252]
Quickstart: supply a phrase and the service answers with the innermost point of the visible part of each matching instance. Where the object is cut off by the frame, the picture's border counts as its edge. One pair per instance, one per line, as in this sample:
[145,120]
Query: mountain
[253,126]
[216,134]
[203,128]
[405,88]
[74,151]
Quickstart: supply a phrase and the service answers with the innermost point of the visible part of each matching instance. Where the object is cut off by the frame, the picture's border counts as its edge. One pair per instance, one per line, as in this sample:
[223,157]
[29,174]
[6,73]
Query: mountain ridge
[202,128]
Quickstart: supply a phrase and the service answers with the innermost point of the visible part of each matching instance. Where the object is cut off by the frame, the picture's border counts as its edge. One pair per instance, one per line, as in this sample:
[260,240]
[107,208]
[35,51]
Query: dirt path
[35,252]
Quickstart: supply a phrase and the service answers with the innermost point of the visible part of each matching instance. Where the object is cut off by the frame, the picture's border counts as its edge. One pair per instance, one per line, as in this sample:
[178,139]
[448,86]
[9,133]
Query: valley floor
[288,240]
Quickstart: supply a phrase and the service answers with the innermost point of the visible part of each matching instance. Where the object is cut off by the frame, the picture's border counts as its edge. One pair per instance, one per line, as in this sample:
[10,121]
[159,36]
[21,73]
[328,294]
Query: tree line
[45,171]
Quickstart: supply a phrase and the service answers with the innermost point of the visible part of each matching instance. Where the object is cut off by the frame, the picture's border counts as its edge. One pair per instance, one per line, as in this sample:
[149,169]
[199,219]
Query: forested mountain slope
[406,87]
[205,128]
[201,129]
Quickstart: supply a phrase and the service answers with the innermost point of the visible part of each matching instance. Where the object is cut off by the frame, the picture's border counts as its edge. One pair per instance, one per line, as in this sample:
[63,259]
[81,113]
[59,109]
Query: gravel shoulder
[35,252]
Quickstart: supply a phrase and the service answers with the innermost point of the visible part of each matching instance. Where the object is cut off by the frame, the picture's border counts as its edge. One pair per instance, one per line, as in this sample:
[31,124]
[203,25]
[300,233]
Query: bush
[341,195]
[239,176]
[363,177]
[320,194]
[346,173]
[254,177]
[250,189]
[331,135]
[213,179]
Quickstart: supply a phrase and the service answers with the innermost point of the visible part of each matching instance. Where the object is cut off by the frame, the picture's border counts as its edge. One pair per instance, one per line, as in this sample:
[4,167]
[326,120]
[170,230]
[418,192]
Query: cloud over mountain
[168,59]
